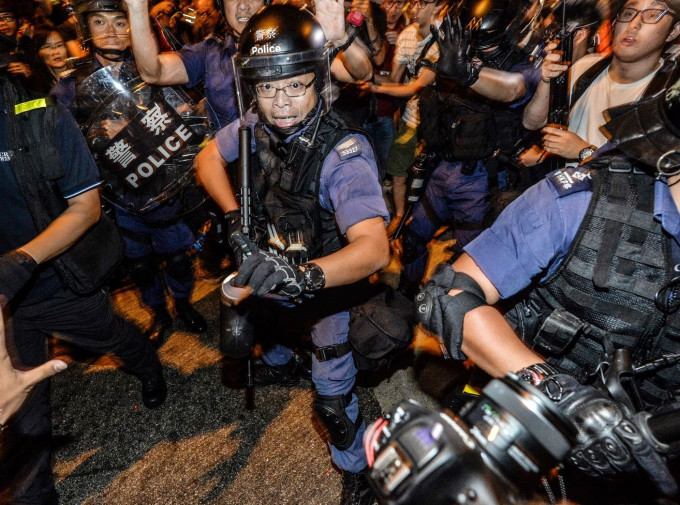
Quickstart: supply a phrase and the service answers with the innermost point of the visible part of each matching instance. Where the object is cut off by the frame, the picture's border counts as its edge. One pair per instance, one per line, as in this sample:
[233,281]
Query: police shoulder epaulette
[348,149]
[571,180]
[38,103]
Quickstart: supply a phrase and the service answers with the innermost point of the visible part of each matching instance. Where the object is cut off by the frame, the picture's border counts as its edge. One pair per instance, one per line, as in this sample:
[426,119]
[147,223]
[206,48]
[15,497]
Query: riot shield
[144,138]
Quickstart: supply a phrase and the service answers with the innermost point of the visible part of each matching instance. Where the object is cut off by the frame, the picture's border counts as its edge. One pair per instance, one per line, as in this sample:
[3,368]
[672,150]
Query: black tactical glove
[16,269]
[454,61]
[609,442]
[265,272]
[442,314]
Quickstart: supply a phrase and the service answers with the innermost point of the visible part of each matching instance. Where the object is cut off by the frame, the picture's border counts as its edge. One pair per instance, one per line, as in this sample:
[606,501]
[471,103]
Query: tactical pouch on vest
[558,331]
[93,259]
[472,136]
[379,327]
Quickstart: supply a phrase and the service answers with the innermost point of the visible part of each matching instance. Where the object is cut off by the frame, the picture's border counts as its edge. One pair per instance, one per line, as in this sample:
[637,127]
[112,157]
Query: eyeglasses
[293,90]
[52,47]
[648,16]
[7,19]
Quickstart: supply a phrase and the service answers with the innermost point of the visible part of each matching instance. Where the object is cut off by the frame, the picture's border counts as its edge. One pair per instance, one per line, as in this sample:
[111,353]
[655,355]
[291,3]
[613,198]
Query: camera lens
[521,431]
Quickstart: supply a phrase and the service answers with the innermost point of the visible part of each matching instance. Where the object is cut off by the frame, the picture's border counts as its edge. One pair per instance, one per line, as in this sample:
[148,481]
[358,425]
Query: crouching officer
[605,286]
[315,189]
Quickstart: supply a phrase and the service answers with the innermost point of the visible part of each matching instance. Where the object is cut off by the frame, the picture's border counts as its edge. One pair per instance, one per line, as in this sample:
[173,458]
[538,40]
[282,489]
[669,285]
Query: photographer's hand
[609,442]
[15,385]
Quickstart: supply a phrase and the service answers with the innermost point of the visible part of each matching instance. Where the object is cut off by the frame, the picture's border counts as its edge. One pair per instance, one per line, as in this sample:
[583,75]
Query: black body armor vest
[286,190]
[617,263]
[463,126]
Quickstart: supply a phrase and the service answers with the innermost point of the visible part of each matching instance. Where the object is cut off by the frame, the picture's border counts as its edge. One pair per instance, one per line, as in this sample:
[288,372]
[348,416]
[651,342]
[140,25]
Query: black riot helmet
[279,42]
[83,9]
[492,22]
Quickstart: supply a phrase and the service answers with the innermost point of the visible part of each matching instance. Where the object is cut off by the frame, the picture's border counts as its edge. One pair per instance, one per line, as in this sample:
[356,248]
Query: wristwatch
[313,276]
[586,152]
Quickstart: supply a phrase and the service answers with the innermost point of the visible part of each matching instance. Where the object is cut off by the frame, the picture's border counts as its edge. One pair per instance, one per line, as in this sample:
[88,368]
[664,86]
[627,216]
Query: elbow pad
[442,314]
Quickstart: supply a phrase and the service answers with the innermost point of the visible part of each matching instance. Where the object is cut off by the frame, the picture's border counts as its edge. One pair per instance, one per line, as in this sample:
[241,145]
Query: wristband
[537,373]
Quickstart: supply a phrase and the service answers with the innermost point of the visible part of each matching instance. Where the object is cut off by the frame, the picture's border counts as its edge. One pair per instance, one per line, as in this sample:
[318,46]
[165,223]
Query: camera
[497,447]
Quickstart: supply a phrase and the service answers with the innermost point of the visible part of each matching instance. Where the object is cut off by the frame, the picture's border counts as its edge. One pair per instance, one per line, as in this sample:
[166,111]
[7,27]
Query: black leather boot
[283,375]
[160,326]
[356,490]
[154,389]
[193,321]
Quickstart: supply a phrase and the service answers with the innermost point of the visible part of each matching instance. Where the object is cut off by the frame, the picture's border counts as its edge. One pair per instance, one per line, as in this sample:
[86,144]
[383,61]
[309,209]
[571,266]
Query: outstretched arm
[154,67]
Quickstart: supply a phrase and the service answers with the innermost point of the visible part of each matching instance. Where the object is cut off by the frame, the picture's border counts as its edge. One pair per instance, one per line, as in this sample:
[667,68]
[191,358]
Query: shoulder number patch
[348,149]
[571,180]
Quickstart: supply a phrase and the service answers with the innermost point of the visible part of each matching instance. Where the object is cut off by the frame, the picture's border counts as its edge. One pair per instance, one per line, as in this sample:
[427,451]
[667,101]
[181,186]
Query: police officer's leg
[173,243]
[337,406]
[428,216]
[90,323]
[469,204]
[25,473]
[142,267]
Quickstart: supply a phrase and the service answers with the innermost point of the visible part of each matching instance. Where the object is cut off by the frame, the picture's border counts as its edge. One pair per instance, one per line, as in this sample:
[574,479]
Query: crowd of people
[507,121]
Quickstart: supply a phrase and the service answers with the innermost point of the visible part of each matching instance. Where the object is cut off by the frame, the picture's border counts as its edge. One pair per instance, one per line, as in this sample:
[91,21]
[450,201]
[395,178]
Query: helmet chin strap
[116,55]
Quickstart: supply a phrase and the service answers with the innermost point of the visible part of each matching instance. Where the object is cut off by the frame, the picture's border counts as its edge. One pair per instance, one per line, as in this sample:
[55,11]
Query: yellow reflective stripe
[39,103]
[470,390]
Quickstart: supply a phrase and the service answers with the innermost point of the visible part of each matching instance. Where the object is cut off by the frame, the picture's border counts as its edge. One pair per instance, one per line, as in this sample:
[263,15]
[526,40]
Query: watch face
[585,153]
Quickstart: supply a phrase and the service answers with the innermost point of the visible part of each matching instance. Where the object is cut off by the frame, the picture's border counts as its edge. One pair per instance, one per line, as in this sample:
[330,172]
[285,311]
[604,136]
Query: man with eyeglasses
[18,62]
[642,30]
[316,190]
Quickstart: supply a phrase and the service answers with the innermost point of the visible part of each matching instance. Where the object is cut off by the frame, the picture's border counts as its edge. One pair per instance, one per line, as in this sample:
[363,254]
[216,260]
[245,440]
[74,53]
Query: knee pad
[142,271]
[331,411]
[178,266]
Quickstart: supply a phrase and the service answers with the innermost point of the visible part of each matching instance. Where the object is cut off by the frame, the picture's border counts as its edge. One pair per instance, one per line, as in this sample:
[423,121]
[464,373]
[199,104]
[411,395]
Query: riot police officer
[159,235]
[597,245]
[315,188]
[475,111]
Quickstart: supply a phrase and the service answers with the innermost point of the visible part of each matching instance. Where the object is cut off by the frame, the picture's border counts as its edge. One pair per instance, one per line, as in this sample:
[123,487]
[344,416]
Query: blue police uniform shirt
[533,235]
[209,61]
[349,186]
[16,225]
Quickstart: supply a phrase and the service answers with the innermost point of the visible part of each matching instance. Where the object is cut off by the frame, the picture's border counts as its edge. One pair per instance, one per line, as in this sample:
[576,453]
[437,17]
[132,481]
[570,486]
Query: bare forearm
[356,61]
[359,259]
[491,343]
[211,174]
[499,85]
[65,231]
[154,68]
[536,112]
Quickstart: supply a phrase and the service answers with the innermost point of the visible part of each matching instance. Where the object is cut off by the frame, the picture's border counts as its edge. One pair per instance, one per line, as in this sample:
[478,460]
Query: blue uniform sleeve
[530,238]
[349,185]
[531,76]
[81,172]
[226,138]
[194,58]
